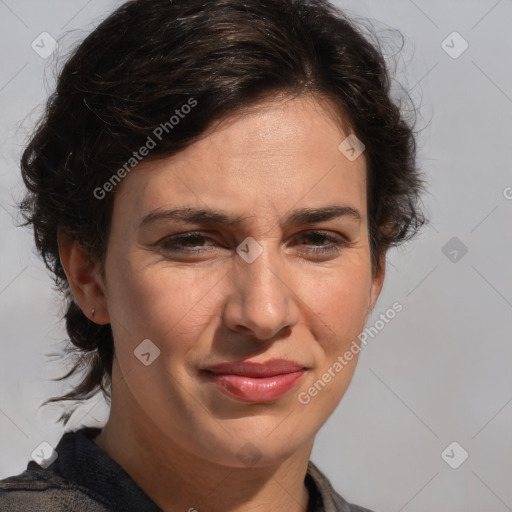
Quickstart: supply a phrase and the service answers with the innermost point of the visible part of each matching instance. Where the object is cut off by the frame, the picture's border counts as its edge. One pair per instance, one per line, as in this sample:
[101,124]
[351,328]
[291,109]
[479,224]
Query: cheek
[161,302]
[341,301]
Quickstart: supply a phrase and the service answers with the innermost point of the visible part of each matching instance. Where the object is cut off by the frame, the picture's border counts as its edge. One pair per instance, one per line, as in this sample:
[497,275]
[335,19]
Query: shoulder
[41,490]
[357,508]
[330,499]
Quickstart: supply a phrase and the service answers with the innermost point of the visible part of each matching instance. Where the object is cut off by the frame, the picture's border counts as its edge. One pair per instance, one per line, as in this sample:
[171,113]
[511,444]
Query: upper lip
[268,368]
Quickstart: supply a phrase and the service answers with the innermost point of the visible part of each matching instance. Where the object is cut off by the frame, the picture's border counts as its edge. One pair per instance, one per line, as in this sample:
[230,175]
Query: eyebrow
[212,217]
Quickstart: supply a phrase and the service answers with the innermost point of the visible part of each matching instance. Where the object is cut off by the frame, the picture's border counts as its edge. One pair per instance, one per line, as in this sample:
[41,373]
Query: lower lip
[251,389]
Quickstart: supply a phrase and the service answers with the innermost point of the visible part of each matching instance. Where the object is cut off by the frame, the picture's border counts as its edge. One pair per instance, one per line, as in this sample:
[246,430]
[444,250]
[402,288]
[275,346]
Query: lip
[255,382]
[254,369]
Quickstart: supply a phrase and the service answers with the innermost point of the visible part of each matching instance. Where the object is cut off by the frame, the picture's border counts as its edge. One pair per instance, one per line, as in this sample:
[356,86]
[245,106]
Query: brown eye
[322,242]
[184,243]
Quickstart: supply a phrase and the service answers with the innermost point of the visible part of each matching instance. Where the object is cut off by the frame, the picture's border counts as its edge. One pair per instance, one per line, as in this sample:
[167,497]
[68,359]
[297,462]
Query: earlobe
[377,282]
[84,279]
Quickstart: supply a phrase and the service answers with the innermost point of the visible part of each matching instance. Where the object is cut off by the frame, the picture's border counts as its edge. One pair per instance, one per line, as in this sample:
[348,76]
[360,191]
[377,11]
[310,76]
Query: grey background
[439,372]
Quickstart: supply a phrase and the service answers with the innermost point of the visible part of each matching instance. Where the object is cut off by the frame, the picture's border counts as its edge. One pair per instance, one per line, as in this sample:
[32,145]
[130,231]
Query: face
[250,245]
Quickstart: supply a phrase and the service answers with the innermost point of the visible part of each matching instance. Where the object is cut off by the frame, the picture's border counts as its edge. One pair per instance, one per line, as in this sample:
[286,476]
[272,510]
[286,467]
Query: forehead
[264,160]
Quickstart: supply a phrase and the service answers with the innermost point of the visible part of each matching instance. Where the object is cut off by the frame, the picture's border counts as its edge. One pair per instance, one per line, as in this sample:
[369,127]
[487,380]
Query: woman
[214,186]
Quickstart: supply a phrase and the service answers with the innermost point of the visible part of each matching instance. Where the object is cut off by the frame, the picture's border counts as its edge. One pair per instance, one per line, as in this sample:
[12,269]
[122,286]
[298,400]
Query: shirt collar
[84,463]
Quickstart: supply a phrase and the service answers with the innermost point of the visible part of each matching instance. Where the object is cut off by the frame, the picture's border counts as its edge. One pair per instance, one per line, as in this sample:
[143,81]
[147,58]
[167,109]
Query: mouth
[255,382]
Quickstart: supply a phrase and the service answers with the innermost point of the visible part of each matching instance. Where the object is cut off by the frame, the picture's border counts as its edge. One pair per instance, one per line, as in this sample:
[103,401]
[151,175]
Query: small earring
[93,312]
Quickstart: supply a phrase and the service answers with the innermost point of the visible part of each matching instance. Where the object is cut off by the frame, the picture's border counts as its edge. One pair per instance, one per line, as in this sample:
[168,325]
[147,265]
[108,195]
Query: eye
[322,243]
[313,243]
[186,243]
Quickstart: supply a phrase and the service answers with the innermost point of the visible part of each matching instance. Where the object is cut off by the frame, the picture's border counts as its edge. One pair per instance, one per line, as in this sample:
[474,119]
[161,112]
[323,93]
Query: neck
[177,480]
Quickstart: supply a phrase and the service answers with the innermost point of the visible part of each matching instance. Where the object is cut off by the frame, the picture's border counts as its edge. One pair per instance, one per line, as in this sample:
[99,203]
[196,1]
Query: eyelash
[175,243]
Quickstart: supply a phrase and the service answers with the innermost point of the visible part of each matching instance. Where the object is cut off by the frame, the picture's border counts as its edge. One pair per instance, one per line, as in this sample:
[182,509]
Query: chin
[249,445]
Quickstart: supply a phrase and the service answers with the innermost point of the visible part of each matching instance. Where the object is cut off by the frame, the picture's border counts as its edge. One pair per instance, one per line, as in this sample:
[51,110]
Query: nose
[262,302]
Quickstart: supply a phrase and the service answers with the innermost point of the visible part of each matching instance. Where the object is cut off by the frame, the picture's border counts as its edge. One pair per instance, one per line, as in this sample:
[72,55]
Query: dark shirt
[83,478]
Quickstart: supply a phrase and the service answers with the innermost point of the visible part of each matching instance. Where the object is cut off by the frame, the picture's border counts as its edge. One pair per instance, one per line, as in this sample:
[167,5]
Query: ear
[377,282]
[84,278]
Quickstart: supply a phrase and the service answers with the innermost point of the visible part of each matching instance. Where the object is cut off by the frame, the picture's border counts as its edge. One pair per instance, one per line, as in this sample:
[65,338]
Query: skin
[175,434]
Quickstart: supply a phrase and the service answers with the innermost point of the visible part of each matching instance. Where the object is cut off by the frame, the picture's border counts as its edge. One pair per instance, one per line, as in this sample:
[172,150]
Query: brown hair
[149,58]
